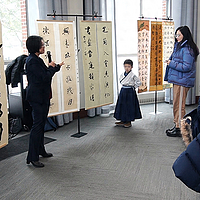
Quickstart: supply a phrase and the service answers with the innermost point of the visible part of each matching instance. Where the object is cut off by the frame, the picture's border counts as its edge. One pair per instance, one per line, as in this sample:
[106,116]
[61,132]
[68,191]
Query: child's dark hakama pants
[127,107]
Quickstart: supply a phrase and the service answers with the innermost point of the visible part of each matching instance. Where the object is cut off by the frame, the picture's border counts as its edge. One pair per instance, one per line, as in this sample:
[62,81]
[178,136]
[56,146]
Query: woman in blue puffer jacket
[181,71]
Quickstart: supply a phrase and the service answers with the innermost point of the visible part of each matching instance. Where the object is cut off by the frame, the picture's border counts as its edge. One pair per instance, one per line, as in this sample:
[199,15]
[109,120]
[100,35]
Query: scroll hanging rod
[156,18]
[75,15]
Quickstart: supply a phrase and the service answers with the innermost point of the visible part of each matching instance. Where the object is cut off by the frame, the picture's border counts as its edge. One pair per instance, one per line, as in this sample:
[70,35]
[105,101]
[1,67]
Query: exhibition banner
[156,57]
[90,63]
[60,42]
[143,54]
[96,48]
[46,31]
[168,46]
[70,87]
[104,37]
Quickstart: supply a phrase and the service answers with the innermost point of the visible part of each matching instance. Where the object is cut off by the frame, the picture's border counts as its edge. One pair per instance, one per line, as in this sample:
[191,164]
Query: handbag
[15,126]
[166,73]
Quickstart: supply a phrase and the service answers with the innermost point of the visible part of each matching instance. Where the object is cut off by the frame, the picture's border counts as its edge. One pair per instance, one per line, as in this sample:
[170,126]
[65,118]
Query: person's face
[42,48]
[179,36]
[127,68]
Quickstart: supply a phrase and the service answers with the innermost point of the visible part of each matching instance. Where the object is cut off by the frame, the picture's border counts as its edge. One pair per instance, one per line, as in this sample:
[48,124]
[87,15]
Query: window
[10,16]
[127,13]
[152,9]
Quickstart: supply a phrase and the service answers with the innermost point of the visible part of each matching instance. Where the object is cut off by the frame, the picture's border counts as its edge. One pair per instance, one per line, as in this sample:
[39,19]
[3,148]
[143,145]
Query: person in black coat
[38,94]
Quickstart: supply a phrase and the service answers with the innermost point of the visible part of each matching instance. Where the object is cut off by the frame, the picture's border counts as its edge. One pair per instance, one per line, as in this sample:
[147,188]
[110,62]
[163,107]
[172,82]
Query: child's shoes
[127,125]
[119,123]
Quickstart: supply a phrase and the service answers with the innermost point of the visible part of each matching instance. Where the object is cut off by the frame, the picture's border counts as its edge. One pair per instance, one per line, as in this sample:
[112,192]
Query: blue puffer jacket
[182,69]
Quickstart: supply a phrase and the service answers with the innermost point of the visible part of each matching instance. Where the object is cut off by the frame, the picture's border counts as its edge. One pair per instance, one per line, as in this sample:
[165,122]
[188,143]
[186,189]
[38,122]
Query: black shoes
[46,155]
[36,163]
[171,129]
[176,132]
[173,132]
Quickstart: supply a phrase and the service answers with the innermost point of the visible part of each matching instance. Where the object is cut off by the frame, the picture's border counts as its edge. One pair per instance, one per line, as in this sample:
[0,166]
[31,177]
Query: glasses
[42,45]
[177,35]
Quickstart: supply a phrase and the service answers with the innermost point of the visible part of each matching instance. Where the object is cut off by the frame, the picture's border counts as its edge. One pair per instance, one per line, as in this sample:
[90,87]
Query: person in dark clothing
[38,94]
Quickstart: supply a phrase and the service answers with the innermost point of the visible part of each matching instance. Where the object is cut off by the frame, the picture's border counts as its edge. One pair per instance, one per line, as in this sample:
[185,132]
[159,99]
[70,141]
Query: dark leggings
[36,141]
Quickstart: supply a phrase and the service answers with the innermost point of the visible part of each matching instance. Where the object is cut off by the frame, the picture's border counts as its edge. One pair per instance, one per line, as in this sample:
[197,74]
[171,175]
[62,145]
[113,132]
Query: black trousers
[36,140]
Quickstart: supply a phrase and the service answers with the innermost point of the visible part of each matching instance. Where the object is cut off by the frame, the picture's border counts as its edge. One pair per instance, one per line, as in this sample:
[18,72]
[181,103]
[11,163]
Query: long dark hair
[188,36]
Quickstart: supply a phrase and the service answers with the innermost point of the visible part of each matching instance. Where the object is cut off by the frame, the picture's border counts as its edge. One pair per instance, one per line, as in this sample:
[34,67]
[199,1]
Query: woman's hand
[53,64]
[62,63]
[167,61]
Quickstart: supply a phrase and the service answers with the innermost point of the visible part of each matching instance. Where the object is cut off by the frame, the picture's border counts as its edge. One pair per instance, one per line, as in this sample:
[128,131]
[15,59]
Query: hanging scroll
[96,42]
[168,45]
[143,53]
[104,35]
[156,58]
[59,39]
[70,89]
[46,31]
[3,99]
[90,64]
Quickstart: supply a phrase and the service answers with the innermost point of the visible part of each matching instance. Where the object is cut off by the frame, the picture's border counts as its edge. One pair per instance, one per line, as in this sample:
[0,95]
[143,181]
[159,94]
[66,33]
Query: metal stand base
[156,112]
[78,135]
[153,113]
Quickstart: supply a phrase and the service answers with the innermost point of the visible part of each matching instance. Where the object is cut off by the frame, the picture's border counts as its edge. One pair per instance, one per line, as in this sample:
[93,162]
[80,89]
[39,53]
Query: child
[127,107]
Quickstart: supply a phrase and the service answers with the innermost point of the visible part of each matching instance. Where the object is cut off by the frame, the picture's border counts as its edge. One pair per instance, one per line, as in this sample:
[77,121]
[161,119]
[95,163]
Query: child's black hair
[129,62]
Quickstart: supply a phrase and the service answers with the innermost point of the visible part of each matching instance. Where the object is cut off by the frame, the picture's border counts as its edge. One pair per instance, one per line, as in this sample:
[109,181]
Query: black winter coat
[14,70]
[39,78]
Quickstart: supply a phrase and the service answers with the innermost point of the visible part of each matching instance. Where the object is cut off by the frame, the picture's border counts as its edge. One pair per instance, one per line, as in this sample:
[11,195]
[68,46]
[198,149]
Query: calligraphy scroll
[156,58]
[3,99]
[168,45]
[90,64]
[46,31]
[104,35]
[96,42]
[60,41]
[143,53]
[70,88]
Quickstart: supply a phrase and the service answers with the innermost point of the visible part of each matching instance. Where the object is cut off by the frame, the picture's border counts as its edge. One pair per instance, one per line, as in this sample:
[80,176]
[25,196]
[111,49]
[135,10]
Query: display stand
[79,133]
[155,102]
[156,92]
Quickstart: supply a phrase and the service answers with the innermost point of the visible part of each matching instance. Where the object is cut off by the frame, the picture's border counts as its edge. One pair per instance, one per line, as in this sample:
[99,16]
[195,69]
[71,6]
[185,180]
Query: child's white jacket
[130,80]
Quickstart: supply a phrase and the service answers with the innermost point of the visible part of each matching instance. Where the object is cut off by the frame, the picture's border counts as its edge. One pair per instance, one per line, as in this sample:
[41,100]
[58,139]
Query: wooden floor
[109,163]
